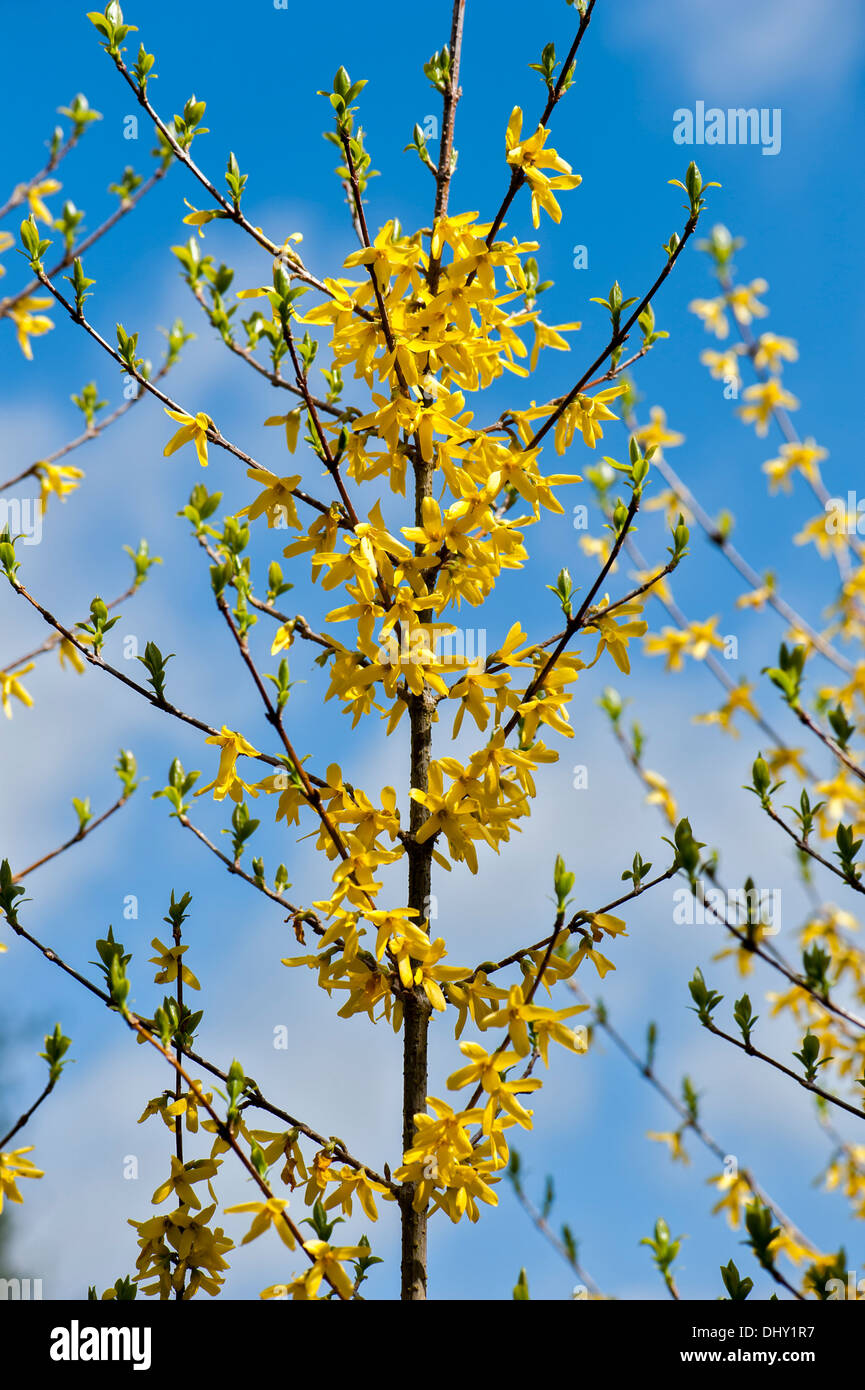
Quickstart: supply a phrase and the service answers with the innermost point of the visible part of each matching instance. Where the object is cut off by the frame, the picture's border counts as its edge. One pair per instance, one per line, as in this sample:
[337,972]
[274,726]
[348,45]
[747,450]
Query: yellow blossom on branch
[169,962]
[29,324]
[14,1165]
[10,685]
[193,430]
[530,157]
[59,479]
[226,782]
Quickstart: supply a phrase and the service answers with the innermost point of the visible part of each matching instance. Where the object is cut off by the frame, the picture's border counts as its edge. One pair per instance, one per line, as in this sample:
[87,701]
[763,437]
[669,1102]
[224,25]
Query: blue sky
[258,69]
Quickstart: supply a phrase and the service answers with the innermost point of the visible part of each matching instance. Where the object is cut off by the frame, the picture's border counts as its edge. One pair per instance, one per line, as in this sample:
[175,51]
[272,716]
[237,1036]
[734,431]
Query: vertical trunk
[414,1223]
[416,1010]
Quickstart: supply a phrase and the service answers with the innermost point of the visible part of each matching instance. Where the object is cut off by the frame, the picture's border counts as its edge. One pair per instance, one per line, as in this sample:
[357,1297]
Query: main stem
[416,1008]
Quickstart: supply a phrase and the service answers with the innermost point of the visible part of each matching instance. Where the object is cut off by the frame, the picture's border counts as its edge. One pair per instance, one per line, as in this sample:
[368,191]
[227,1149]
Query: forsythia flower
[183,1175]
[674,643]
[277,500]
[660,795]
[656,434]
[766,397]
[724,366]
[804,457]
[711,311]
[180,1251]
[356,1183]
[35,196]
[169,963]
[14,1165]
[29,325]
[586,414]
[226,782]
[193,431]
[10,684]
[772,351]
[744,302]
[531,158]
[267,1214]
[615,634]
[291,421]
[70,654]
[328,1265]
[673,1140]
[738,700]
[59,479]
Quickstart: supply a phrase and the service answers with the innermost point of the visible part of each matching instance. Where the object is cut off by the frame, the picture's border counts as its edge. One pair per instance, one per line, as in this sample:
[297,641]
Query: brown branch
[213,434]
[22,1120]
[92,432]
[577,621]
[76,839]
[51,642]
[255,1097]
[518,177]
[75,252]
[688,1120]
[748,573]
[618,338]
[779,1066]
[20,192]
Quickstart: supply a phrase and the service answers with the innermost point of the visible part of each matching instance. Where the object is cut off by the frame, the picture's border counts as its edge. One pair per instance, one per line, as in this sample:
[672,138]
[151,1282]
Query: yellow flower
[13,1165]
[765,398]
[10,684]
[744,302]
[193,429]
[35,196]
[586,414]
[277,500]
[738,700]
[702,637]
[356,1182]
[6,240]
[615,634]
[656,434]
[673,1140]
[59,479]
[674,643]
[804,457]
[267,1214]
[227,783]
[485,1070]
[292,426]
[169,963]
[827,541]
[736,1194]
[328,1265]
[180,1182]
[29,325]
[531,158]
[772,351]
[660,795]
[68,653]
[724,366]
[547,335]
[711,311]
